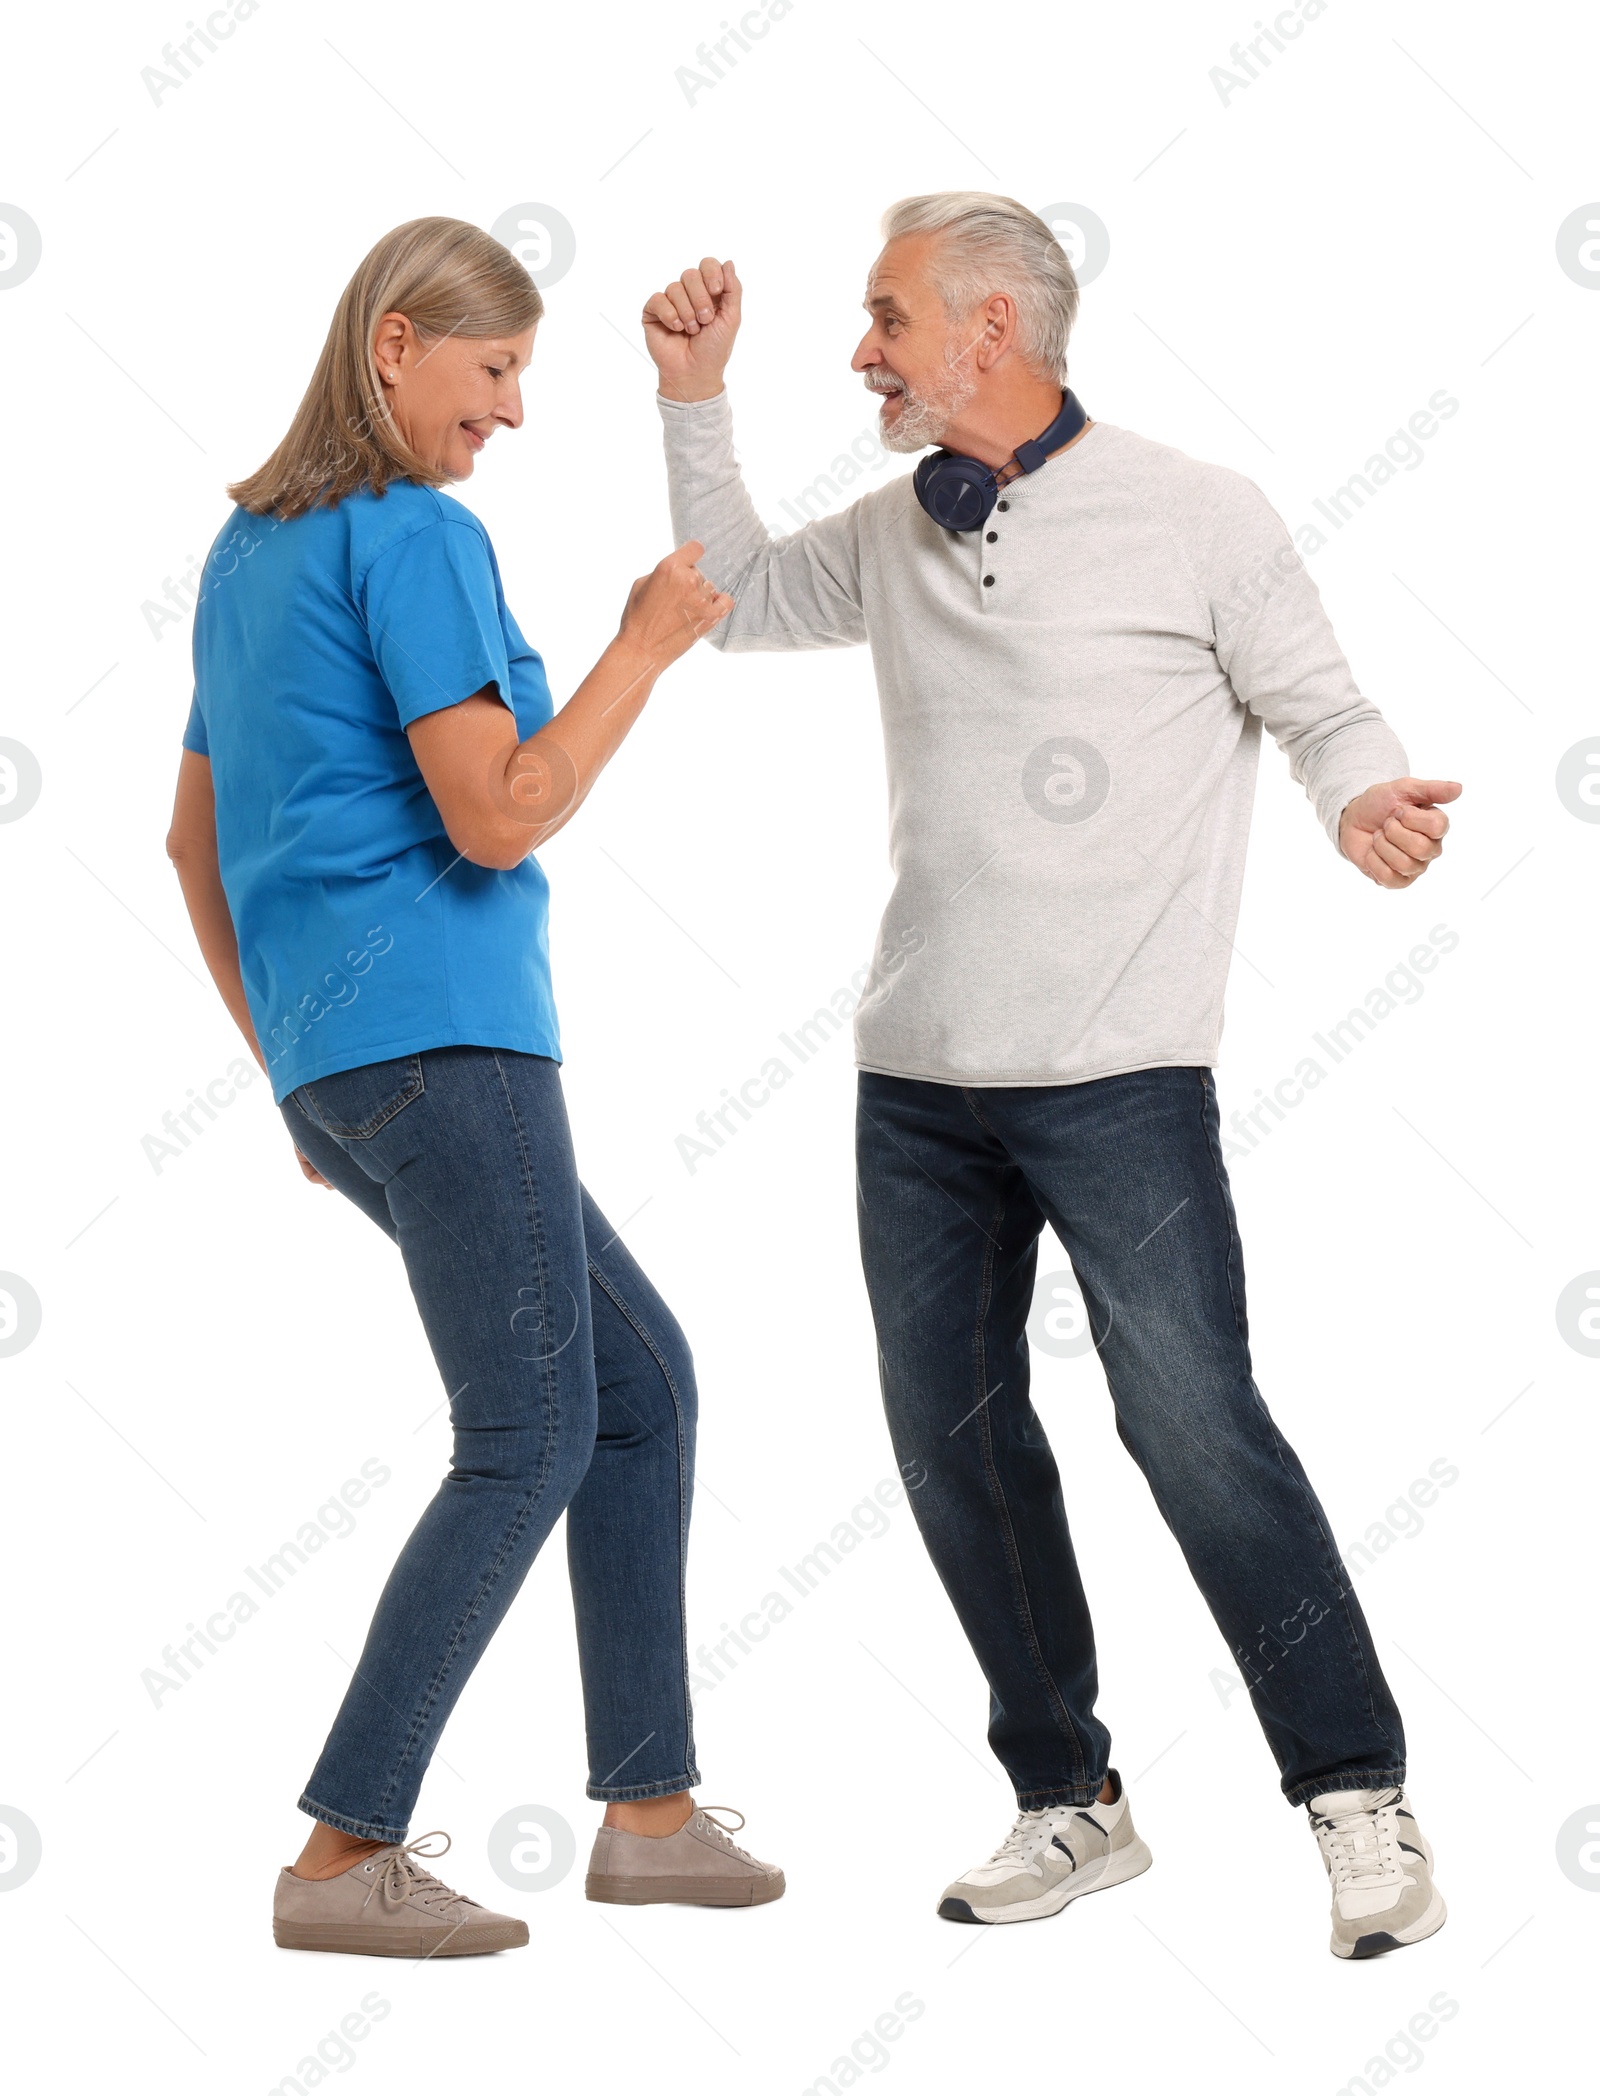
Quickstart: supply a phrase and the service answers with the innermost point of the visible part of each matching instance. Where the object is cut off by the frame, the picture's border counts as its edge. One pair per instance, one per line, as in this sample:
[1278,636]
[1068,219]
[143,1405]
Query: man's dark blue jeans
[955,1184]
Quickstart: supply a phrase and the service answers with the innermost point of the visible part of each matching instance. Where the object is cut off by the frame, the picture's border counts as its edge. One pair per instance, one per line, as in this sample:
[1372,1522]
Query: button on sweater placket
[987,563]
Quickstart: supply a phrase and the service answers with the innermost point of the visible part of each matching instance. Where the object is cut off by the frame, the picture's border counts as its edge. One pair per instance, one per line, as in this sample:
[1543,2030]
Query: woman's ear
[392,337]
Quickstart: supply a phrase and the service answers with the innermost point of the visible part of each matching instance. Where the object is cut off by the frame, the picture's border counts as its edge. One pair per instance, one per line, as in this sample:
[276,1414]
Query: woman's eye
[492,371]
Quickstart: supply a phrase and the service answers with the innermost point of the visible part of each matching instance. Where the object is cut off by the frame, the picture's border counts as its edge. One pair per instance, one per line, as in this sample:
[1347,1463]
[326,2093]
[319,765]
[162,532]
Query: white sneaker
[1381,1869]
[1050,1857]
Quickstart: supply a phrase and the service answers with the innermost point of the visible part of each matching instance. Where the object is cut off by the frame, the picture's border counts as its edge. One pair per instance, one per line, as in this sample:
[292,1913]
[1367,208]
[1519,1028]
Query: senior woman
[371,757]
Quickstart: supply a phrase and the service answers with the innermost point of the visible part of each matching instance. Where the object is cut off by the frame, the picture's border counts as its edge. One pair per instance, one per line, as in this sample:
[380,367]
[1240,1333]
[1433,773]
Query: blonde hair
[992,243]
[447,278]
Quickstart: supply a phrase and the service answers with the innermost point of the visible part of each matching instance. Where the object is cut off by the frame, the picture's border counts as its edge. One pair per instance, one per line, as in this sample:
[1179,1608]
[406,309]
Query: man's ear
[999,330]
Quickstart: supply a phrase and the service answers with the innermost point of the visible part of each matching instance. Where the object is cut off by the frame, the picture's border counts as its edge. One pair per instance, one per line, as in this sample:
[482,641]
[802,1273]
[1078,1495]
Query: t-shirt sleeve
[433,617]
[194,734]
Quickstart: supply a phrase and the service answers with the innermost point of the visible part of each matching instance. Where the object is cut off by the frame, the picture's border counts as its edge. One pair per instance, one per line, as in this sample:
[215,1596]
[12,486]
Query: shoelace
[709,1814]
[1031,1831]
[1361,1847]
[401,1879]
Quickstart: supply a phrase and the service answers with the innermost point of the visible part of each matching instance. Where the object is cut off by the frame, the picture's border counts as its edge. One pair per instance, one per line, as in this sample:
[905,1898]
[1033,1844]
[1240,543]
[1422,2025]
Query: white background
[1292,274]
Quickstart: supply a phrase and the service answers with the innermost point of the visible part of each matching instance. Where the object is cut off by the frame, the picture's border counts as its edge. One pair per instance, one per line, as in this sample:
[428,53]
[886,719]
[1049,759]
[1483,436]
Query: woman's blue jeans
[571,1389]
[956,1184]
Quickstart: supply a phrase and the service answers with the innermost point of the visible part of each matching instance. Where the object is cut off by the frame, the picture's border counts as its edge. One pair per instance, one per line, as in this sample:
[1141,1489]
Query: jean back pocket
[354,1104]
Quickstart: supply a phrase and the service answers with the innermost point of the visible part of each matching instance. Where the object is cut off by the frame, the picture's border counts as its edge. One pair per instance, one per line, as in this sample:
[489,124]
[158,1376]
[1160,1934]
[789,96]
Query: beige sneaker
[1051,1856]
[697,1867]
[388,1906]
[1380,1867]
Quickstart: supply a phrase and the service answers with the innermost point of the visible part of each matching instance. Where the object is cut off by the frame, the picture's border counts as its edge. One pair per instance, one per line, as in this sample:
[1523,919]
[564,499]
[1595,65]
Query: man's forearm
[1352,750]
[802,591]
[706,489]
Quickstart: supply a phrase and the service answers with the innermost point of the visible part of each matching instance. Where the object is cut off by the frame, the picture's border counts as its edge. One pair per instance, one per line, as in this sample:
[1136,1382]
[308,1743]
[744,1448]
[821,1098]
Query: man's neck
[991,428]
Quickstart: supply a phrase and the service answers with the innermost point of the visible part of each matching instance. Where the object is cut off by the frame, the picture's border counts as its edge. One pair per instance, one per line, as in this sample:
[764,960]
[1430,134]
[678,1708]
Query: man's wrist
[689,392]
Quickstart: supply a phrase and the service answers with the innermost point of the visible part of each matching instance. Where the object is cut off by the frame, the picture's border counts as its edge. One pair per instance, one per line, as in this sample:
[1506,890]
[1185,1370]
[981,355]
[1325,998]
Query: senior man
[1077,635]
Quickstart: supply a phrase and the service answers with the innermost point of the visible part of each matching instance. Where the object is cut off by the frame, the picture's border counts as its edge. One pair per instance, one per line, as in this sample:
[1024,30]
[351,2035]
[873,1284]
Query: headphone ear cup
[922,476]
[958,493]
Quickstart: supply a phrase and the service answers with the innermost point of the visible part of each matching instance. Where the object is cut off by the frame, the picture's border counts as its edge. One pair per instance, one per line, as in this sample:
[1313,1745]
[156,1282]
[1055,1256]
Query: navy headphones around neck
[960,492]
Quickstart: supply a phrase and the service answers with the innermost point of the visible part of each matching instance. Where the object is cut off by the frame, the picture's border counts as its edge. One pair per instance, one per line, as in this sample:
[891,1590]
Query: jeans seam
[1345,1779]
[1341,1589]
[1331,1565]
[486,1585]
[666,1787]
[683,1503]
[970,1102]
[1240,1317]
[998,1499]
[1039,1800]
[347,1823]
[524,1513]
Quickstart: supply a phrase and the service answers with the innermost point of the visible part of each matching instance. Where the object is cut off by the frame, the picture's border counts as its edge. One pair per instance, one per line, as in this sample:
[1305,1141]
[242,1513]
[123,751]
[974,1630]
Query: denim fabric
[955,1185]
[571,1388]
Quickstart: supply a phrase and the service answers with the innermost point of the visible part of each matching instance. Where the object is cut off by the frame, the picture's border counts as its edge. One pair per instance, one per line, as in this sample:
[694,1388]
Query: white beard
[924,417]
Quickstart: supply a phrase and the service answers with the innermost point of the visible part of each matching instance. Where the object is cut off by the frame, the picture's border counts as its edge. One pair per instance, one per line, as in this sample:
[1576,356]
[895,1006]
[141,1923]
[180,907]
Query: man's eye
[493,373]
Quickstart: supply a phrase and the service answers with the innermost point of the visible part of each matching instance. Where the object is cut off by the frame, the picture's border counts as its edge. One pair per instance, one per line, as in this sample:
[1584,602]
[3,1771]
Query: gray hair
[993,243]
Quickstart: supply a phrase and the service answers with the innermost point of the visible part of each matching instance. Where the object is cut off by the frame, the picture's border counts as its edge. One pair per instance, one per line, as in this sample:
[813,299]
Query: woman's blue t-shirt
[362,933]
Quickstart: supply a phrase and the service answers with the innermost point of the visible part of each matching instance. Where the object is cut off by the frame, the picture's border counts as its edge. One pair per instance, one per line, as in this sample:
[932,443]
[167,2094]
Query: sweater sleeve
[1274,640]
[803,591]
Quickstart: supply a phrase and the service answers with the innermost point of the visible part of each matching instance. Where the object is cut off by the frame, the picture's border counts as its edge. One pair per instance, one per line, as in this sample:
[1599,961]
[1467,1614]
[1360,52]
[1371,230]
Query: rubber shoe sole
[1382,1940]
[382,1942]
[1114,1869]
[682,1892]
